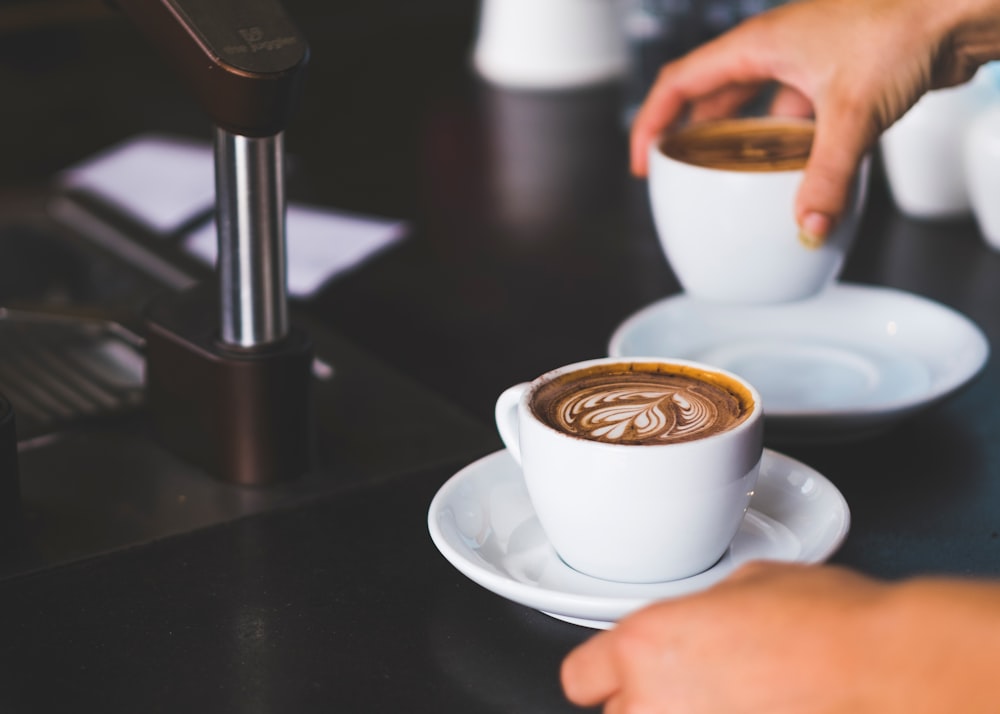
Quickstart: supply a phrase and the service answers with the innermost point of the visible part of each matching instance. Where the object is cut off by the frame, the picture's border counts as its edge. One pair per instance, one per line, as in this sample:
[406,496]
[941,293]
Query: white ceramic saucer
[483,523]
[850,362]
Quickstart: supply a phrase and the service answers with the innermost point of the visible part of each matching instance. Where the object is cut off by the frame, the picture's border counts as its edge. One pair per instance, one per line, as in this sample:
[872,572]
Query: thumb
[839,145]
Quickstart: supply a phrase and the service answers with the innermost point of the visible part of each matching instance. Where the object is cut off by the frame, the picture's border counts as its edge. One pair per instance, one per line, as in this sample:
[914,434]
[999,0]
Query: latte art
[639,407]
[633,412]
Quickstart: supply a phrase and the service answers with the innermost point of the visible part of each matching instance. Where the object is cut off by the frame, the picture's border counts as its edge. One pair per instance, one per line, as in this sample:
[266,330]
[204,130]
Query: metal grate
[57,371]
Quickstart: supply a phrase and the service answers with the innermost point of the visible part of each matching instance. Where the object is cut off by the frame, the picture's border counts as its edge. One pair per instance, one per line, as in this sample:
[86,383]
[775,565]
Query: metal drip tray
[58,370]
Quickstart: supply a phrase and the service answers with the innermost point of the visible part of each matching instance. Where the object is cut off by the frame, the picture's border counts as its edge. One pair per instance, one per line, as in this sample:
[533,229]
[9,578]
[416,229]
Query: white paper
[165,182]
[321,243]
[161,181]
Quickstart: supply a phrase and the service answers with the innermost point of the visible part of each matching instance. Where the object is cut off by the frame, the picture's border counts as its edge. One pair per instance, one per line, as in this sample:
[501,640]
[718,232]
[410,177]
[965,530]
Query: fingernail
[814,229]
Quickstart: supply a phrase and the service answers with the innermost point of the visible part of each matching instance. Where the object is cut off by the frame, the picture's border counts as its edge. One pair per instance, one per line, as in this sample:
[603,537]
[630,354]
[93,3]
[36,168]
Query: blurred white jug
[549,44]
[922,152]
[982,172]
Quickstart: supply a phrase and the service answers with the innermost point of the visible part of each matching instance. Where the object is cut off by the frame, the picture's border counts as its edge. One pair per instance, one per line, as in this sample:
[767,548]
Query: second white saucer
[849,362]
[483,523]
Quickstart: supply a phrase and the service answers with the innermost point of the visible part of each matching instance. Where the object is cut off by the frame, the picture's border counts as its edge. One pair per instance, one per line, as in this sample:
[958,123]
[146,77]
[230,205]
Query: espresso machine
[155,395]
[228,377]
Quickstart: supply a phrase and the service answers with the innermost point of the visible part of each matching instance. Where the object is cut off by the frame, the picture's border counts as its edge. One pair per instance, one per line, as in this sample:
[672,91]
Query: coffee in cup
[640,470]
[722,195]
[641,403]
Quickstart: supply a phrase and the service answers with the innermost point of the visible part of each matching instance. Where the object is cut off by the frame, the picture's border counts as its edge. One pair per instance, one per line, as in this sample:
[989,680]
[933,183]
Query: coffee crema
[752,144]
[641,403]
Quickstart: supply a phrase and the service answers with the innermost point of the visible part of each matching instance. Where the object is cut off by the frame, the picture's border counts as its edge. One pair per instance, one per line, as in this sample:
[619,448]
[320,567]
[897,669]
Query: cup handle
[506,418]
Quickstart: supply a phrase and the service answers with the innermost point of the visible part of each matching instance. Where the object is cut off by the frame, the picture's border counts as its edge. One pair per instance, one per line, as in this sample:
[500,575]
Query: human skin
[811,639]
[799,639]
[856,65]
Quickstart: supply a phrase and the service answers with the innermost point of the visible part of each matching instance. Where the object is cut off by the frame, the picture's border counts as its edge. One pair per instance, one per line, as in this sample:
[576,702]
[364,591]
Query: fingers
[604,668]
[589,673]
[663,105]
[723,103]
[843,136]
[725,70]
[790,102]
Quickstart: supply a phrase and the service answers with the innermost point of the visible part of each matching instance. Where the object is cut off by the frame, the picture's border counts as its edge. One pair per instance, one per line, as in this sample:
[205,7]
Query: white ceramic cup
[731,236]
[922,152]
[549,44]
[636,512]
[981,166]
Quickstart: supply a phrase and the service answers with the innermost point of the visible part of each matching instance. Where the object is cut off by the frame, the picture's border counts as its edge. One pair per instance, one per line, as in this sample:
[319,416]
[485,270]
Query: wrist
[971,32]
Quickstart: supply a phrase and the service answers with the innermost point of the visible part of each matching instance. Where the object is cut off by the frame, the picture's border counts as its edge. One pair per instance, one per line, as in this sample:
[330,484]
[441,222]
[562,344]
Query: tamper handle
[243,60]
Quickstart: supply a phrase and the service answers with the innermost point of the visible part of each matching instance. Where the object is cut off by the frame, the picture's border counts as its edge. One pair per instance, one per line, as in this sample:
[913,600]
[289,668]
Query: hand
[794,639]
[856,65]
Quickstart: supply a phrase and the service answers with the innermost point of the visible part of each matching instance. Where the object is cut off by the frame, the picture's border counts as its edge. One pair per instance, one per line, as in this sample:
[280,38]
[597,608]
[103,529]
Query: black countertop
[340,605]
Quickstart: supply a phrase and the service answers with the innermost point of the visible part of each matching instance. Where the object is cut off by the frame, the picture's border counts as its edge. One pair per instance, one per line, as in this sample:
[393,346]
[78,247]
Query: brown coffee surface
[754,144]
[641,403]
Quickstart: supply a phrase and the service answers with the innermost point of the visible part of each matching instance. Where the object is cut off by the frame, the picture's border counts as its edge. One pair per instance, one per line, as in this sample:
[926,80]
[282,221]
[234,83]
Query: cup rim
[754,416]
[657,156]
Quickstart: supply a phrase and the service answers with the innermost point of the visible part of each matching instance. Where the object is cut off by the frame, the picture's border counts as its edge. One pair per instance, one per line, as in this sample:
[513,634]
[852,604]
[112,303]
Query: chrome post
[250,216]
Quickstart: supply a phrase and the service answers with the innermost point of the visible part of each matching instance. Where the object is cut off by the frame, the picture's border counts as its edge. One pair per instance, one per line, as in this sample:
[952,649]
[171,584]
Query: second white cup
[722,195]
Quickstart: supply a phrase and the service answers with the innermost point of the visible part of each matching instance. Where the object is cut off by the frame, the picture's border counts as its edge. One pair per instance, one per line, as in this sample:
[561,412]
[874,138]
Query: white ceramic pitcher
[549,44]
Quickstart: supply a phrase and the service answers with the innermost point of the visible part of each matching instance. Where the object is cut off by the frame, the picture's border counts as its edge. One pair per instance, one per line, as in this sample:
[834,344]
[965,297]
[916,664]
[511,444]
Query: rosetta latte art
[638,404]
[639,413]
